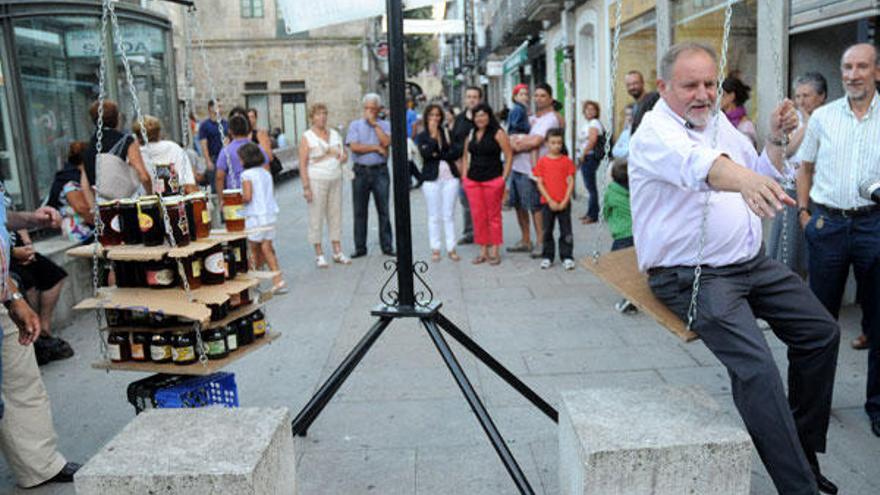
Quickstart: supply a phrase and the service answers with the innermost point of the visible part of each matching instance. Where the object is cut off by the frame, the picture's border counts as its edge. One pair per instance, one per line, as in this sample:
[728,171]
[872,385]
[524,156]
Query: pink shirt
[522,162]
[668,167]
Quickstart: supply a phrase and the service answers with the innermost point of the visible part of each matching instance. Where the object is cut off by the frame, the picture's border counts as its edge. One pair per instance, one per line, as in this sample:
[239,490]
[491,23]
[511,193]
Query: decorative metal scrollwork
[388,294]
[424,296]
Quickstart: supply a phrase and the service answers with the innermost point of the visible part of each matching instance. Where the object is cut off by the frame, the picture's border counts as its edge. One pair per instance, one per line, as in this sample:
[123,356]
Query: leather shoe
[358,254]
[860,342]
[875,426]
[65,475]
[825,485]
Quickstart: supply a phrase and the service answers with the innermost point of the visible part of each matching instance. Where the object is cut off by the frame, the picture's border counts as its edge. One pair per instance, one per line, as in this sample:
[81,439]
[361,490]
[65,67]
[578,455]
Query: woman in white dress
[321,155]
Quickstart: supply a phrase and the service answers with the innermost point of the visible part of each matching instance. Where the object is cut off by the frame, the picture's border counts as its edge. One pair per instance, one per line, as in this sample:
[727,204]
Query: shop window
[58,64]
[251,9]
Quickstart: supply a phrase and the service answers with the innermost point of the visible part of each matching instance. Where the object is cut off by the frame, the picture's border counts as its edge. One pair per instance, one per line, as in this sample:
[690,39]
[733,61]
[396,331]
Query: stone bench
[659,441]
[187,451]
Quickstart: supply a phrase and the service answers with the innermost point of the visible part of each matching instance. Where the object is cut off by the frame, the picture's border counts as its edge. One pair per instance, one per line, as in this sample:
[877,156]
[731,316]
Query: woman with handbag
[119,169]
[321,155]
[440,181]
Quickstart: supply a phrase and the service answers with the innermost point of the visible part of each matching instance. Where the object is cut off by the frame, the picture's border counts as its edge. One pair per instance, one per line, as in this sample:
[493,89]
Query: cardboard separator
[263,274]
[620,270]
[86,251]
[169,301]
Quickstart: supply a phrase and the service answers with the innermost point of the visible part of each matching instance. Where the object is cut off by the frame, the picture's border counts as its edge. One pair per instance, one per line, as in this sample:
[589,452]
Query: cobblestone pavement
[400,425]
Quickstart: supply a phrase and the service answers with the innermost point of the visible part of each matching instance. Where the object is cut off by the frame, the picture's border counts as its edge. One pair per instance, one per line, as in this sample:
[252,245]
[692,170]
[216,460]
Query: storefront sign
[517,58]
[137,39]
[494,68]
[629,10]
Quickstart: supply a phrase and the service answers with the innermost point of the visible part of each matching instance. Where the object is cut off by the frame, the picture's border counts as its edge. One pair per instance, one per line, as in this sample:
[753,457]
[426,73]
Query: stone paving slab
[400,425]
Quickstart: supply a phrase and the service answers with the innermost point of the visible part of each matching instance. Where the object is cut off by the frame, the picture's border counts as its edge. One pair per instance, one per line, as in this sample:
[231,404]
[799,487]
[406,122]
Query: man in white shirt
[841,151]
[686,163]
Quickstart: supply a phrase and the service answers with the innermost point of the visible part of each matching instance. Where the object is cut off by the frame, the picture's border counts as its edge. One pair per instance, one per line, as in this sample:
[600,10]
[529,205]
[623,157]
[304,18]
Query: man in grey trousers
[698,185]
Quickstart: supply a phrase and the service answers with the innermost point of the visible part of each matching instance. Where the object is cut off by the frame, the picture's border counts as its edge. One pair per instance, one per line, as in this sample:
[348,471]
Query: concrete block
[659,440]
[185,451]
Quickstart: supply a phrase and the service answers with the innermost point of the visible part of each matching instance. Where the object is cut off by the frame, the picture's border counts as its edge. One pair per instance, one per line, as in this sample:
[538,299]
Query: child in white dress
[260,210]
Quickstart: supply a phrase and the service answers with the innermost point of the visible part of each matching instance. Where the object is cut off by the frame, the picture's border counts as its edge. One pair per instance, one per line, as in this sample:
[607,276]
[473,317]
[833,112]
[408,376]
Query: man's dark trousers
[371,179]
[467,220]
[835,243]
[730,299]
[566,241]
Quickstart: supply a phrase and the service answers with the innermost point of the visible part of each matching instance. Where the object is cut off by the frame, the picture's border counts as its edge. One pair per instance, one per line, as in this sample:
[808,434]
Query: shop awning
[305,15]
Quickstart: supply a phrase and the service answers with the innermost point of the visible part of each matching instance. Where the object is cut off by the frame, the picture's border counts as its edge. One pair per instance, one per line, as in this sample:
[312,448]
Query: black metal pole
[397,102]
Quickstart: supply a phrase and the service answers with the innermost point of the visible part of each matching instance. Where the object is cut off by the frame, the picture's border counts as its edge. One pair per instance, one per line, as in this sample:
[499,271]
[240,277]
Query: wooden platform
[195,369]
[620,270]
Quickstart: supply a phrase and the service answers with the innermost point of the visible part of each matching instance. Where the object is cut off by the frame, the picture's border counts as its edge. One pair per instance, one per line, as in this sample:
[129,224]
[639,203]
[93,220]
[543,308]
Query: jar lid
[172,200]
[111,202]
[149,199]
[232,191]
[196,195]
[128,201]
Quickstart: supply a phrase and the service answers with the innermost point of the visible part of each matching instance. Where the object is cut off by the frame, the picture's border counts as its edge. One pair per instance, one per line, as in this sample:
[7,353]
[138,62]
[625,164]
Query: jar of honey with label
[111,234]
[233,204]
[150,220]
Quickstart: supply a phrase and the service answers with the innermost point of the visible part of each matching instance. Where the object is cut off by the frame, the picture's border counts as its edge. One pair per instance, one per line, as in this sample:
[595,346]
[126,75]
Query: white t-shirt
[584,134]
[321,165]
[262,204]
[522,162]
[168,152]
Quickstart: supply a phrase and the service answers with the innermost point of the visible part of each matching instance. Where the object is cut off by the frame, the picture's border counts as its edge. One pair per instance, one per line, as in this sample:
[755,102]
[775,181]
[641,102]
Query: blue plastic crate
[217,389]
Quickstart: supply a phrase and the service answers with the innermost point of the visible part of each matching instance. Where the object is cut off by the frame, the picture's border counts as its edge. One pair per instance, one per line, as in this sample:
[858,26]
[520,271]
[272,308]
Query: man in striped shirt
[840,151]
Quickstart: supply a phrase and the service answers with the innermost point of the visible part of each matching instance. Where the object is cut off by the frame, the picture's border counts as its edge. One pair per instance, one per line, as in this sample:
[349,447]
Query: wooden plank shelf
[196,369]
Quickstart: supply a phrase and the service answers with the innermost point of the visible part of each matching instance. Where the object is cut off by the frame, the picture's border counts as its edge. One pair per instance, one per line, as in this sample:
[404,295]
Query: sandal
[341,259]
[454,256]
[280,288]
[495,261]
[320,261]
[435,256]
[479,260]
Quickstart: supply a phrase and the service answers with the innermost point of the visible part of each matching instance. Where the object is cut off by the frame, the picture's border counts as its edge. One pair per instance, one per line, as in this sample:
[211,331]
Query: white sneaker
[321,262]
[568,264]
[545,264]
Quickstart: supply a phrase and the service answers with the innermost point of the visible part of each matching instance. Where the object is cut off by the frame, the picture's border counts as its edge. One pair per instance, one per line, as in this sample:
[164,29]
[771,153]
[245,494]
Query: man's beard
[701,119]
[856,94]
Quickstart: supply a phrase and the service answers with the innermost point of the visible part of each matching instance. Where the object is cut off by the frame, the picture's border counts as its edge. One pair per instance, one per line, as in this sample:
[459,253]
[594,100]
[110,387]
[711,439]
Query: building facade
[49,59]
[255,63]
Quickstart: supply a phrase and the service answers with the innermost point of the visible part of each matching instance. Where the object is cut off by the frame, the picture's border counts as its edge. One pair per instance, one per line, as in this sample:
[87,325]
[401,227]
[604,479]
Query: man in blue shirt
[369,139]
[211,139]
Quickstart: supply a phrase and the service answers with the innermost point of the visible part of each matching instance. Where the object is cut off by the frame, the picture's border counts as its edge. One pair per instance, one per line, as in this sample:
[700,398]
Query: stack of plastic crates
[177,391]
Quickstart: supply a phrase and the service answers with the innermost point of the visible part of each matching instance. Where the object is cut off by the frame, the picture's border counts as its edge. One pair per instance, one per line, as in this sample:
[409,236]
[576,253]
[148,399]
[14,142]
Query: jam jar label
[160,352]
[237,251]
[182,224]
[215,264]
[115,224]
[232,341]
[145,221]
[232,212]
[196,268]
[137,352]
[162,277]
[115,352]
[215,347]
[179,354]
[206,217]
[259,327]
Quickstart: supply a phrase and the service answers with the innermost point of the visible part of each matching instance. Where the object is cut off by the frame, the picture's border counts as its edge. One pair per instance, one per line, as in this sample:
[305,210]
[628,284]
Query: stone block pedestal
[187,451]
[659,441]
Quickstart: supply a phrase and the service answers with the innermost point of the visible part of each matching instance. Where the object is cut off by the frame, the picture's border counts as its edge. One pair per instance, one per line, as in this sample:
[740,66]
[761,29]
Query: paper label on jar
[235,300]
[206,217]
[145,221]
[179,354]
[215,264]
[160,277]
[115,352]
[237,254]
[197,268]
[232,212]
[115,224]
[137,351]
[160,353]
[259,327]
[232,341]
[216,347]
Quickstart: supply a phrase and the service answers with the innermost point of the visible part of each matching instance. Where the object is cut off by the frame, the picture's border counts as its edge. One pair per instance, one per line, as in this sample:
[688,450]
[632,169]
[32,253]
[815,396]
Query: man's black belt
[373,165]
[851,213]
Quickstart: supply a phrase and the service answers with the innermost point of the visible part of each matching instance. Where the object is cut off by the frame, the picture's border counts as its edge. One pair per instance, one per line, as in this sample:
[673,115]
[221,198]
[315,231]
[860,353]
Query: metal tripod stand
[405,302]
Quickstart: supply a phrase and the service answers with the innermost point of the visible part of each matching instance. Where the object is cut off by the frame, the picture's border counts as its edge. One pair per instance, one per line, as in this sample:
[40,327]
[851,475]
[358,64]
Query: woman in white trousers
[441,182]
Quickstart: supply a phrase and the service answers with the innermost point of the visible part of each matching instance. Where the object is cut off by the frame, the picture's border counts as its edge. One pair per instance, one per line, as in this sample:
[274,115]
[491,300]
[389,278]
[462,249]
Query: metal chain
[117,35]
[603,165]
[96,212]
[188,139]
[704,222]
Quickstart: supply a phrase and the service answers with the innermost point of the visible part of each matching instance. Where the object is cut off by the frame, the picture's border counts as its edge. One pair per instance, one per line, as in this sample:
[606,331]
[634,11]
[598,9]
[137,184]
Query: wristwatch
[15,296]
